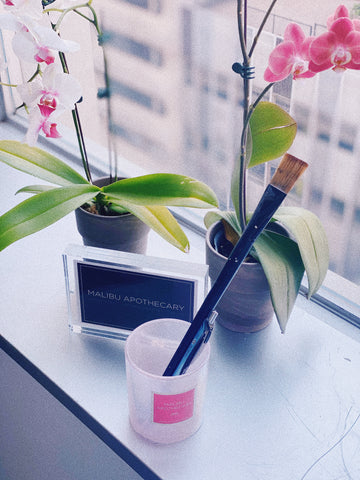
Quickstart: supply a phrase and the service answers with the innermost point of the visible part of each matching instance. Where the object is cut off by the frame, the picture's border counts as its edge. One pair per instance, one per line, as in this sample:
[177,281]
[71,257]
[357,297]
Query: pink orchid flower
[339,48]
[290,57]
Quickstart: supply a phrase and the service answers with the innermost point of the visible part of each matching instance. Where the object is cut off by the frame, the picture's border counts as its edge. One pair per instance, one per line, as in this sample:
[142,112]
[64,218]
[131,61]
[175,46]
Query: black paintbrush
[288,171]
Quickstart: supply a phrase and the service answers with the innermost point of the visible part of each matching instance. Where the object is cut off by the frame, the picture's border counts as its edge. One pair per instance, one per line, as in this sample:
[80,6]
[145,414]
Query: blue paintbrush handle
[269,203]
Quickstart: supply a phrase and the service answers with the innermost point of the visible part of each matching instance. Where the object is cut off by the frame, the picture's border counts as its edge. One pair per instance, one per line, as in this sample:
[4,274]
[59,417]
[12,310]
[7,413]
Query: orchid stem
[262,25]
[241,15]
[95,22]
[248,109]
[78,129]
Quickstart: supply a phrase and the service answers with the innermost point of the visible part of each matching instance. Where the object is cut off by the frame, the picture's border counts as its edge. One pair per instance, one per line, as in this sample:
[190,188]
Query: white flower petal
[35,121]
[49,73]
[30,91]
[24,46]
[31,8]
[69,90]
[49,38]
[10,22]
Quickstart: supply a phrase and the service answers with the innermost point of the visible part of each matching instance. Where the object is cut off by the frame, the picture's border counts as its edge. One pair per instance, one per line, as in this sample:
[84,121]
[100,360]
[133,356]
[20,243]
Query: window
[347,136]
[153,5]
[128,45]
[337,206]
[137,96]
[222,87]
[357,215]
[316,195]
[173,61]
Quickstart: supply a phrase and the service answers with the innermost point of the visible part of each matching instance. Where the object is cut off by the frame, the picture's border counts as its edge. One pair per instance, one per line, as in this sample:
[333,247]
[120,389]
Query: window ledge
[260,385]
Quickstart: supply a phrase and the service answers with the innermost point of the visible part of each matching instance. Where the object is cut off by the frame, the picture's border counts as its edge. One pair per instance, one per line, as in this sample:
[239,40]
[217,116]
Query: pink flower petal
[52,132]
[342,27]
[321,48]
[354,46]
[305,48]
[353,66]
[269,76]
[356,24]
[281,58]
[293,33]
[307,74]
[341,11]
[352,42]
[44,55]
[45,110]
[316,68]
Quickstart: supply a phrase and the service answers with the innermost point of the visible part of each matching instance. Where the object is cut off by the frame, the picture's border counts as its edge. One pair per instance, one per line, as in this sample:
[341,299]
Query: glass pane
[183,113]
[176,104]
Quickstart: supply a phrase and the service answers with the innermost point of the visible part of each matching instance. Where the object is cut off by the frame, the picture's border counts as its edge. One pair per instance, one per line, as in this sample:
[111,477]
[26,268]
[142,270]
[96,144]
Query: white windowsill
[275,403]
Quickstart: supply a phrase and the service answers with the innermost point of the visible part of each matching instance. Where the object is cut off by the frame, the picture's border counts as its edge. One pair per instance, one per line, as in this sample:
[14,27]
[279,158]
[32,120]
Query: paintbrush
[285,176]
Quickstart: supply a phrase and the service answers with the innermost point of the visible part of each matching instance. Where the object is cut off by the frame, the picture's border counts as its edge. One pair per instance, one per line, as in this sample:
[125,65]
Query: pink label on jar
[173,408]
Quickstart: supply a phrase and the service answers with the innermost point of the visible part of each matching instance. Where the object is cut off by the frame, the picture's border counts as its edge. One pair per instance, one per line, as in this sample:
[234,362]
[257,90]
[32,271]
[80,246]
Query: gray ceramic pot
[246,305]
[121,232]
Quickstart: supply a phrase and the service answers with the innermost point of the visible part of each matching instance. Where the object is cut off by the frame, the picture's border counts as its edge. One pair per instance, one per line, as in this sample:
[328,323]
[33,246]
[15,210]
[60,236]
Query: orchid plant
[50,91]
[268,132]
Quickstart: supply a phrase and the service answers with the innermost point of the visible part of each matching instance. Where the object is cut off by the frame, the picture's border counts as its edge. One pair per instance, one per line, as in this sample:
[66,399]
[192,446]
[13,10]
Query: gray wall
[41,440]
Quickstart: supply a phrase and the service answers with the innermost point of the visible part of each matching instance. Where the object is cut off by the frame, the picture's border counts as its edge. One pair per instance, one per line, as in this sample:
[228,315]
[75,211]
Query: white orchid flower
[24,8]
[48,97]
[33,42]
[56,88]
[38,43]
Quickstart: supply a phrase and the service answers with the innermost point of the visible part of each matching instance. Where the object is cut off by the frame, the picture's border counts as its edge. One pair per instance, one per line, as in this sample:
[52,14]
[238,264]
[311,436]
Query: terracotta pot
[119,232]
[246,305]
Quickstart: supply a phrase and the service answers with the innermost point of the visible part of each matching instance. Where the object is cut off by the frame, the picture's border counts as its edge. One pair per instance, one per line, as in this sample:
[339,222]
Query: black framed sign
[110,293]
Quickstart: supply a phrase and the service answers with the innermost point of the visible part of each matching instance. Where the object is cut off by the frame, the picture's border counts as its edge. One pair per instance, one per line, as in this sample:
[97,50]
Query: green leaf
[281,260]
[42,210]
[39,163]
[311,239]
[162,222]
[229,216]
[272,133]
[163,189]
[35,189]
